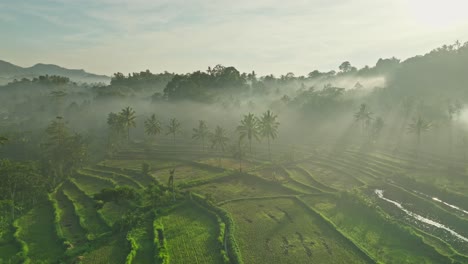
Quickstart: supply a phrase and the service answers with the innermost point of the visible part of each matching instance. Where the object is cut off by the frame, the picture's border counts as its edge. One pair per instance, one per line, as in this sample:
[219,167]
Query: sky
[268,36]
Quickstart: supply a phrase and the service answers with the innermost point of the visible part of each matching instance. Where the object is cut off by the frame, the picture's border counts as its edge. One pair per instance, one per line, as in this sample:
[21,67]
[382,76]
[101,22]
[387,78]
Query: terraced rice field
[191,235]
[324,209]
[282,231]
[183,173]
[370,228]
[240,186]
[38,232]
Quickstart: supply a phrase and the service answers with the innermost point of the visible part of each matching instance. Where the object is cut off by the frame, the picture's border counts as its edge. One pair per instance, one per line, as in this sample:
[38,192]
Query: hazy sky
[269,36]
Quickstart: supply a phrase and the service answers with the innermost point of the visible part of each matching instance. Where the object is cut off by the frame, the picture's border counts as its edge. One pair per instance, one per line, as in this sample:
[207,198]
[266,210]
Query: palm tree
[173,128]
[364,116]
[219,139]
[249,128]
[377,126]
[201,133]
[268,128]
[128,119]
[152,126]
[419,126]
[238,150]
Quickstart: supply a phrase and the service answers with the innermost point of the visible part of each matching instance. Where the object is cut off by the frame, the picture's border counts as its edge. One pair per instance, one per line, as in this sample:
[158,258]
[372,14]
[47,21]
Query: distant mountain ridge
[9,72]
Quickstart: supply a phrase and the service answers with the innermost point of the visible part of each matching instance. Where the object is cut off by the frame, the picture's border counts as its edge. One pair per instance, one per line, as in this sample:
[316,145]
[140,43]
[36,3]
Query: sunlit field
[246,132]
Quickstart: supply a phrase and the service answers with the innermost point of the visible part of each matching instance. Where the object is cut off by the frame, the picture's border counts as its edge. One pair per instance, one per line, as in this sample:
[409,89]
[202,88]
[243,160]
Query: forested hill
[442,69]
[10,72]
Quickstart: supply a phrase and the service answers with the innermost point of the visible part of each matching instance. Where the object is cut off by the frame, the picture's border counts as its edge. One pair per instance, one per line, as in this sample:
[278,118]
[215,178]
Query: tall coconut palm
[249,128]
[238,149]
[418,127]
[201,133]
[173,128]
[219,139]
[268,128]
[128,118]
[152,126]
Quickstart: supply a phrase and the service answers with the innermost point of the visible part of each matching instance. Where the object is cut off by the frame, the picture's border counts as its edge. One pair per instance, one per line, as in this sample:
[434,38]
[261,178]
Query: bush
[145,168]
[116,195]
[233,255]
[162,253]
[133,247]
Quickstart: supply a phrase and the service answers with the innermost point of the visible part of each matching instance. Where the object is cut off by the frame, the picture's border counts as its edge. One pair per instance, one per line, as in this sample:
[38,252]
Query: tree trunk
[240,156]
[128,134]
[269,150]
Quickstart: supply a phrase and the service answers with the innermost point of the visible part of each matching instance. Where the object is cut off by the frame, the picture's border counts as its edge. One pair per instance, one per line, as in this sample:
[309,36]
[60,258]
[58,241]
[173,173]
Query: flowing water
[380,194]
[444,203]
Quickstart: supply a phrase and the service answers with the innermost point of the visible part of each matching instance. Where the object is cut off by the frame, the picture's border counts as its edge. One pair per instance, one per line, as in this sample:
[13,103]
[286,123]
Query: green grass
[331,176]
[69,222]
[384,239]
[144,238]
[183,174]
[85,208]
[8,252]
[303,176]
[227,163]
[191,236]
[111,250]
[240,186]
[135,164]
[118,178]
[38,232]
[91,184]
[112,212]
[280,230]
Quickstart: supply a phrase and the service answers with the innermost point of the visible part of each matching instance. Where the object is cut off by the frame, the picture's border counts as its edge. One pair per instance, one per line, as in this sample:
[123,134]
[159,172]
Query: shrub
[145,168]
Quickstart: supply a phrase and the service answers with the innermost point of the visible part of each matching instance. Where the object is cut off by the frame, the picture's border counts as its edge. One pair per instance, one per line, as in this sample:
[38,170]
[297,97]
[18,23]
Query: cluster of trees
[369,125]
[25,183]
[250,128]
[203,86]
[120,124]
[53,80]
[64,151]
[144,80]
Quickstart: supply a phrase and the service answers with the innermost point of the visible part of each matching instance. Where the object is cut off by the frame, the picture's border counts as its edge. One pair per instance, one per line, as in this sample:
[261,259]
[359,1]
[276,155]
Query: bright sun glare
[438,14]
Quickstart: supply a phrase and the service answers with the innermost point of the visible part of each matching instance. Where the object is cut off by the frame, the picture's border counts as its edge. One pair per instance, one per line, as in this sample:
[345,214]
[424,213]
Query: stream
[380,194]
[442,202]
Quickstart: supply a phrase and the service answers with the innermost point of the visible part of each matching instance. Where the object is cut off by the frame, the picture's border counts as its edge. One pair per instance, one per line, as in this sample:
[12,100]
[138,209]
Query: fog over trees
[118,162]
